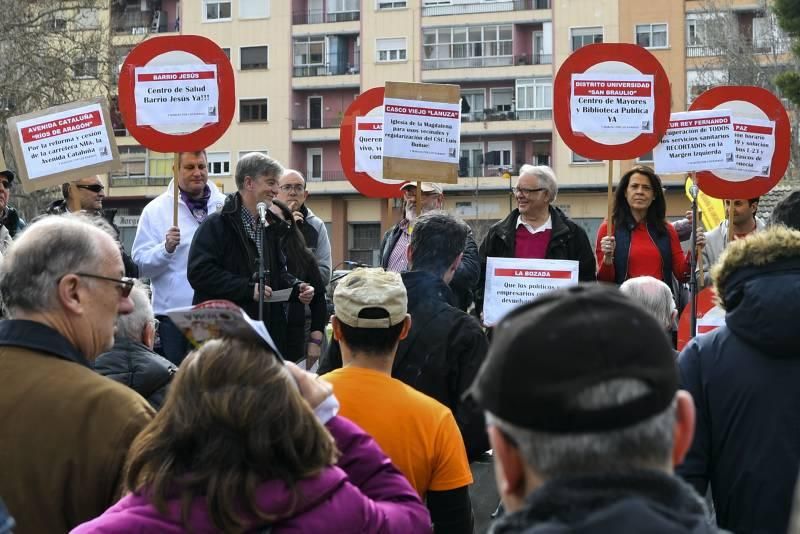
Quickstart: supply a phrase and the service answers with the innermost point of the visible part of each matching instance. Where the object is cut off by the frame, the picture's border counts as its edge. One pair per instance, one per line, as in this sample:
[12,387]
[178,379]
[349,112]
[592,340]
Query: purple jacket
[364,493]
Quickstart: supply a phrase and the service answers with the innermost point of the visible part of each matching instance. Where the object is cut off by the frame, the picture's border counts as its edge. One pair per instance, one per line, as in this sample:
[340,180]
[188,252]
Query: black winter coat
[464,281]
[568,241]
[744,378]
[223,264]
[441,355]
[132,364]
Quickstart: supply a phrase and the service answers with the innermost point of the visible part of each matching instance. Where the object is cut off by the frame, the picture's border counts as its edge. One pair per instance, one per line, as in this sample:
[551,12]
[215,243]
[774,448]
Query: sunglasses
[94,188]
[6,184]
[124,284]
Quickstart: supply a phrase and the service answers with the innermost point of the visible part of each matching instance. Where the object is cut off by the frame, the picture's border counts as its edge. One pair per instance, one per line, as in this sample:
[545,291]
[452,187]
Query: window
[501,99]
[253,57]
[343,6]
[768,36]
[243,153]
[216,10]
[651,35]
[227,52]
[646,158]
[252,110]
[314,164]
[253,9]
[472,46]
[475,103]
[391,49]
[87,19]
[577,158]
[85,68]
[499,154]
[696,31]
[133,160]
[534,98]
[309,52]
[219,163]
[55,25]
[388,4]
[364,239]
[584,36]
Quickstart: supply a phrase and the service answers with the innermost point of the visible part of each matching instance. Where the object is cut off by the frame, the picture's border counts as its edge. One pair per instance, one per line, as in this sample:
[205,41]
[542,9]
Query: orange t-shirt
[417,432]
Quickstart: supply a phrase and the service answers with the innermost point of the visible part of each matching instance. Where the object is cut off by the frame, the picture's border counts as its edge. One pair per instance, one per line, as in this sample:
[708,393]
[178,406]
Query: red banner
[532,274]
[171,76]
[61,126]
[427,112]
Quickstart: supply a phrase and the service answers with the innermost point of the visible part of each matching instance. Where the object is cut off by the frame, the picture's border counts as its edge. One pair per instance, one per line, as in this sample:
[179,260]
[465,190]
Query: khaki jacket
[65,433]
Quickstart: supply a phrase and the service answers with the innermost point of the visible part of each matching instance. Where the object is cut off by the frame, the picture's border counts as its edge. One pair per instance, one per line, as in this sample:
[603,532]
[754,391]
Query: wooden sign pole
[730,222]
[175,191]
[418,209]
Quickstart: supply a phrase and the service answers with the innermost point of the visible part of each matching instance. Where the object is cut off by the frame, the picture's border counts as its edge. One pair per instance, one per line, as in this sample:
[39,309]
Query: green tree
[788,15]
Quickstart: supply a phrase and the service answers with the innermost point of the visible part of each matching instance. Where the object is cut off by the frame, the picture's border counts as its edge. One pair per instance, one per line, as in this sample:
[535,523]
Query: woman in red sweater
[643,243]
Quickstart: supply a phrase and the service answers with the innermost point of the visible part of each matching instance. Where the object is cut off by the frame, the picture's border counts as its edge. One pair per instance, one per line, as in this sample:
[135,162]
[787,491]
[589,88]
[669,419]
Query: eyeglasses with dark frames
[124,284]
[297,188]
[525,191]
[94,188]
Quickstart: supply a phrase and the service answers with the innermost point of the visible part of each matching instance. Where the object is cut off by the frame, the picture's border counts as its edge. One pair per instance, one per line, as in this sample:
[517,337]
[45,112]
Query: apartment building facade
[300,63]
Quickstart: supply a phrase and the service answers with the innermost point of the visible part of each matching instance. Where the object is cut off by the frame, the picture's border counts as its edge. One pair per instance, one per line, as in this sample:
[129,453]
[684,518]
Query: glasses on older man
[297,188]
[94,188]
[525,191]
[124,284]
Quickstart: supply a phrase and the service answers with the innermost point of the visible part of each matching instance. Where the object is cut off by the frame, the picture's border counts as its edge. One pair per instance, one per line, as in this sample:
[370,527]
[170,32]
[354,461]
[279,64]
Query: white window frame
[577,159]
[205,3]
[243,153]
[389,49]
[474,92]
[253,68]
[268,6]
[538,85]
[493,91]
[310,153]
[222,158]
[332,9]
[502,147]
[385,5]
[574,28]
[651,24]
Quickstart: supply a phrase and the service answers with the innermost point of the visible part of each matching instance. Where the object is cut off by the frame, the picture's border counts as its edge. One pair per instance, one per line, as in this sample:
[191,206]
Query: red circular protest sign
[754,103]
[183,50]
[709,317]
[611,58]
[365,184]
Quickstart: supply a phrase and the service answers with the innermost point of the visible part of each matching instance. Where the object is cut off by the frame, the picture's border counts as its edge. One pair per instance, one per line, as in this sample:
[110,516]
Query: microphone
[262,213]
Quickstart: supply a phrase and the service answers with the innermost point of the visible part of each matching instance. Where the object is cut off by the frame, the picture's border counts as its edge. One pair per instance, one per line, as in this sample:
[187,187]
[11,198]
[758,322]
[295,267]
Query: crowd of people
[594,422]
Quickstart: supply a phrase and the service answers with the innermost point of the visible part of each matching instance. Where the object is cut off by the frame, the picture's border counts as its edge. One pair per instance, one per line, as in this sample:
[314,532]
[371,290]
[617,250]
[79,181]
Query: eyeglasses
[124,284]
[525,191]
[6,184]
[297,188]
[94,188]
[412,192]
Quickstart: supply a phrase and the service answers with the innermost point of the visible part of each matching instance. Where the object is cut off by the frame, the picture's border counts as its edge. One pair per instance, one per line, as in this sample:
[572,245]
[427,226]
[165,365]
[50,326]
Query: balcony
[519,115]
[138,181]
[487,61]
[331,65]
[316,123]
[139,22]
[321,17]
[485,7]
[327,176]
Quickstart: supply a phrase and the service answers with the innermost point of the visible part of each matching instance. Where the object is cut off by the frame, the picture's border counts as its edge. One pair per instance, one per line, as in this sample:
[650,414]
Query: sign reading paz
[696,141]
[514,281]
[421,132]
[64,142]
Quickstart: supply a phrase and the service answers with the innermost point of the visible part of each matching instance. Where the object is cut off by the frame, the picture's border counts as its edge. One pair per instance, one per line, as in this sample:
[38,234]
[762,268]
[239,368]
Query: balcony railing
[140,22]
[533,59]
[318,17]
[134,181]
[467,62]
[334,66]
[315,123]
[485,7]
[519,115]
[488,170]
[327,176]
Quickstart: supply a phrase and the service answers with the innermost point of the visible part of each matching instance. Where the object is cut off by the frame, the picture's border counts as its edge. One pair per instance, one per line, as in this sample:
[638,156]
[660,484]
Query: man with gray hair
[66,429]
[586,420]
[131,361]
[536,229]
[655,296]
[224,256]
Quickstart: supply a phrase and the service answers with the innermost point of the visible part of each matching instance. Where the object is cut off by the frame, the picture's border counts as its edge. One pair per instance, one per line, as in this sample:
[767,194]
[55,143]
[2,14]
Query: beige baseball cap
[427,187]
[370,288]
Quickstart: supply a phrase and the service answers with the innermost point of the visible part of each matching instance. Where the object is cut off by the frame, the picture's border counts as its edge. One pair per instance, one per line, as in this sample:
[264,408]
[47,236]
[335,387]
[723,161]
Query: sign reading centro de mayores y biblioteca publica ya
[606,103]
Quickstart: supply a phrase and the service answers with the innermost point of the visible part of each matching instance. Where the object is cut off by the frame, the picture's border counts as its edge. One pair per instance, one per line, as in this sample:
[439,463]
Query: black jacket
[134,365]
[441,355]
[631,503]
[465,280]
[12,221]
[223,264]
[568,241]
[744,379]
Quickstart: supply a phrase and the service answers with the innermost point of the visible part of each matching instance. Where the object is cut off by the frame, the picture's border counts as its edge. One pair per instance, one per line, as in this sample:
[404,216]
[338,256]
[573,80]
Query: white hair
[654,295]
[546,176]
[132,325]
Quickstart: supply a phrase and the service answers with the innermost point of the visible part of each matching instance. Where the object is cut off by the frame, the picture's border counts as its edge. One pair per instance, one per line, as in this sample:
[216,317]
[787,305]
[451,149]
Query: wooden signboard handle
[419,199]
[175,190]
[730,221]
[610,199]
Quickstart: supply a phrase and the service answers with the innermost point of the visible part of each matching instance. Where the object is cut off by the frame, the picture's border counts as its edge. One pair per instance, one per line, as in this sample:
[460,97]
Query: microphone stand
[262,274]
[694,191]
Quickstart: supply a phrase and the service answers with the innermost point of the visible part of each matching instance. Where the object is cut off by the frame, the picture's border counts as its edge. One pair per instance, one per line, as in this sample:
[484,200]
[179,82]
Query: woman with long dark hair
[643,243]
[302,263]
[245,443]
